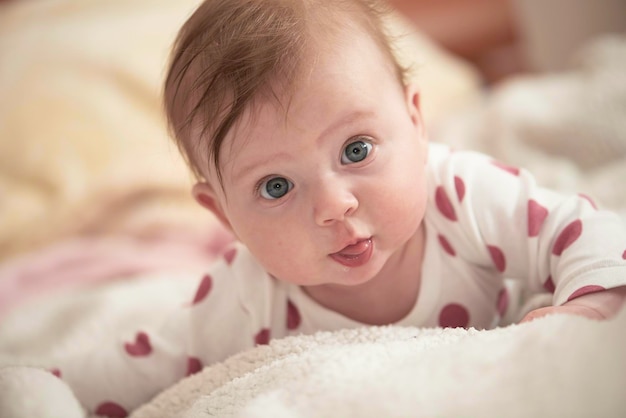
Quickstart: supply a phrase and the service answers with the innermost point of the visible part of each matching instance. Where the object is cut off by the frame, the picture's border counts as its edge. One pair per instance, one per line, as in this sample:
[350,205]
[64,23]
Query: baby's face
[326,189]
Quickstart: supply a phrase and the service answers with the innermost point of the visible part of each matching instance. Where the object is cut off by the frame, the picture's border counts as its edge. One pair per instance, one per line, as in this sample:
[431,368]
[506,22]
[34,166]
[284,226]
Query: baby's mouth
[355,255]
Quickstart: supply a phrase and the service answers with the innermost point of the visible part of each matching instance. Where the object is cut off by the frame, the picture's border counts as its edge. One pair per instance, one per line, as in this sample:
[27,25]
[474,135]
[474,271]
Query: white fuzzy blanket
[558,366]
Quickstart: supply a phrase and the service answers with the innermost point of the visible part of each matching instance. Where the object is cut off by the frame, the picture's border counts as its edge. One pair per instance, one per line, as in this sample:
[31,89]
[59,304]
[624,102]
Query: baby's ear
[413,102]
[206,196]
[412,95]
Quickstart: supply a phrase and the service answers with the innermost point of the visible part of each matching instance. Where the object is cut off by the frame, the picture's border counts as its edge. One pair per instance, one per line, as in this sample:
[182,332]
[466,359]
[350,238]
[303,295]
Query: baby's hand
[600,305]
[27,392]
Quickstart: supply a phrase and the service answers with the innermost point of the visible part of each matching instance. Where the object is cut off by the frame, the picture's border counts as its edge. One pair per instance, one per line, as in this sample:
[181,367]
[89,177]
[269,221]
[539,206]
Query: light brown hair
[231,51]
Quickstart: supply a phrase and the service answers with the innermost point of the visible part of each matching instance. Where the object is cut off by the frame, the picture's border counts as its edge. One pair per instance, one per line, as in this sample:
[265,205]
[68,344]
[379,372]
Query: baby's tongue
[357,248]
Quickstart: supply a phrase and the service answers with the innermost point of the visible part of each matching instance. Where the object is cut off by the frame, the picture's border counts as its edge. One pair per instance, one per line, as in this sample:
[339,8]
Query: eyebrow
[260,163]
[350,118]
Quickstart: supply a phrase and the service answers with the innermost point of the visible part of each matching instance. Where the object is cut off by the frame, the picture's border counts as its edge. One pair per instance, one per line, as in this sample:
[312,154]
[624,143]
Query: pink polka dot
[446,245]
[513,170]
[585,290]
[460,188]
[498,257]
[549,285]
[194,365]
[140,347]
[536,215]
[567,237]
[262,337]
[624,255]
[443,204]
[111,410]
[203,289]
[454,315]
[230,255]
[503,301]
[588,199]
[55,372]
[293,316]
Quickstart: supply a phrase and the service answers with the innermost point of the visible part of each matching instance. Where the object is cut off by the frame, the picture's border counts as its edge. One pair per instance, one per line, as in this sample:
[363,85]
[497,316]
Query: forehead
[352,67]
[350,75]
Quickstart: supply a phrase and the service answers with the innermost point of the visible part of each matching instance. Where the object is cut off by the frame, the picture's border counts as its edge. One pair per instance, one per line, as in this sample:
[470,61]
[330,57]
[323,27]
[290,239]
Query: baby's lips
[356,249]
[355,255]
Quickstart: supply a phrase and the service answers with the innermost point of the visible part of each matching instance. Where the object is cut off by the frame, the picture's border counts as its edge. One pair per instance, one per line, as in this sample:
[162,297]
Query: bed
[95,209]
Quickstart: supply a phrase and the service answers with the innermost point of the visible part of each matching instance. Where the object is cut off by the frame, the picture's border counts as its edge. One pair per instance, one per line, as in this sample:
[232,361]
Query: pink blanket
[88,260]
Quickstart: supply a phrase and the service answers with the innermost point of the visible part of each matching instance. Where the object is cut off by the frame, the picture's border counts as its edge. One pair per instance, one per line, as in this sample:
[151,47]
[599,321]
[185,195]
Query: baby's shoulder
[238,279]
[239,270]
[442,157]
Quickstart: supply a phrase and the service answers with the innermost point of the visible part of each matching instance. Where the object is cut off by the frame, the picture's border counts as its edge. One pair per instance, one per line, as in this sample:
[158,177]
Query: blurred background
[92,188]
[504,37]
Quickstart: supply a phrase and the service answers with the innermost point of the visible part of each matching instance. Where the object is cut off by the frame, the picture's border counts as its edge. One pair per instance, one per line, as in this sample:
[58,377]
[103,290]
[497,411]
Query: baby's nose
[333,203]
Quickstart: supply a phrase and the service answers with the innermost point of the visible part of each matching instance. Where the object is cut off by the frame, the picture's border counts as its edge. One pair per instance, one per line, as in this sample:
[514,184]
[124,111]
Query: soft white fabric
[52,397]
[559,366]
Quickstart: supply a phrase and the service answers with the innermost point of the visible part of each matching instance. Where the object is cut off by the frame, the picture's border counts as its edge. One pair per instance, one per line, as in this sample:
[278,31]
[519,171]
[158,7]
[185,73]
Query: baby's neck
[387,298]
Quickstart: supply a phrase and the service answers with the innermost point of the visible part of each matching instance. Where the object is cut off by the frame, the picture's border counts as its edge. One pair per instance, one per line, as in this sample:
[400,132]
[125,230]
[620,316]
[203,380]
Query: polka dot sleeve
[121,373]
[497,216]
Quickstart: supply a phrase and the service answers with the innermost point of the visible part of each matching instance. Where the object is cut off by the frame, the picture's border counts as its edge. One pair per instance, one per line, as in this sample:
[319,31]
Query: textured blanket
[558,366]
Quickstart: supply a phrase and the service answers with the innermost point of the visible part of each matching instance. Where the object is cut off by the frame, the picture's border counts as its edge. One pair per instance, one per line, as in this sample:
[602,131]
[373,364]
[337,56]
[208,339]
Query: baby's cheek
[405,209]
[282,252]
[408,195]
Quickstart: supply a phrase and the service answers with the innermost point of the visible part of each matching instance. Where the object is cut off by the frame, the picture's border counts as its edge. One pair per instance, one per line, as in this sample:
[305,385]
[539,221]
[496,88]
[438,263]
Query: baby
[308,144]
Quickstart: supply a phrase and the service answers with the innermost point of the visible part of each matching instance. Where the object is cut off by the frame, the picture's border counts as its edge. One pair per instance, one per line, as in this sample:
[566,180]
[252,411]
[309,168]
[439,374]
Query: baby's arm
[600,305]
[122,368]
[548,241]
[112,365]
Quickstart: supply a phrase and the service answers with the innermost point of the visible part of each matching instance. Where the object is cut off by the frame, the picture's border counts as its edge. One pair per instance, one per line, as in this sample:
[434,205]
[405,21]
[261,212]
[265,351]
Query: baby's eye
[355,151]
[275,188]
